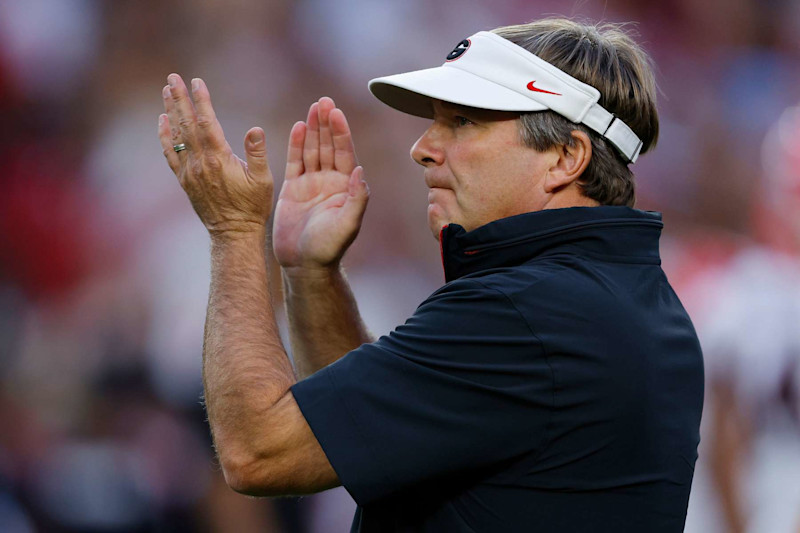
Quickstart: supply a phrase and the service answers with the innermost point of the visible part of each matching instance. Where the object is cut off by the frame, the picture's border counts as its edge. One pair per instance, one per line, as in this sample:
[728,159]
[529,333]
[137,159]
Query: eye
[462,121]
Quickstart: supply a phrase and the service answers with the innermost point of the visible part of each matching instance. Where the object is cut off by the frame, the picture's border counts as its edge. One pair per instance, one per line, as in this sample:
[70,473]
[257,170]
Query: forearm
[245,367]
[324,322]
[264,444]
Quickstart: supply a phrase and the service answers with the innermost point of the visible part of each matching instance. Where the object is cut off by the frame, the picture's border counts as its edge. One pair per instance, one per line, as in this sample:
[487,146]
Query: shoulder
[470,305]
[491,297]
[536,280]
[508,280]
[466,326]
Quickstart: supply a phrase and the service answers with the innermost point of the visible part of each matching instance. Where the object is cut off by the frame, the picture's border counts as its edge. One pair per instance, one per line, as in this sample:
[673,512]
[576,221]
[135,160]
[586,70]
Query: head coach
[553,384]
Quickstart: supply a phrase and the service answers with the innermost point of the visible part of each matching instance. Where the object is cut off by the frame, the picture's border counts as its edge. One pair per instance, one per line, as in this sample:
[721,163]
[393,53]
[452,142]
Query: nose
[427,150]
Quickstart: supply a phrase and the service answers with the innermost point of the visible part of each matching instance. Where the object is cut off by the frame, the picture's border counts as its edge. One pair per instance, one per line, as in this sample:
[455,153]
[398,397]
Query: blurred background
[104,267]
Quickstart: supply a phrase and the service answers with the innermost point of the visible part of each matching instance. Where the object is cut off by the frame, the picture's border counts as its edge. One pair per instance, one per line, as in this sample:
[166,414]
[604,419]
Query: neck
[569,197]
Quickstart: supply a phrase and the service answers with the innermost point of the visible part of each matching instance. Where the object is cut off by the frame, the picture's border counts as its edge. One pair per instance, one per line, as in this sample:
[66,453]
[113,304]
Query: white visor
[489,72]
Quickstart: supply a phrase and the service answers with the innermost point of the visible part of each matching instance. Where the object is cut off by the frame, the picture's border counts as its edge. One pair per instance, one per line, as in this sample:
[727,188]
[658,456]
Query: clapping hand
[323,198]
[230,195]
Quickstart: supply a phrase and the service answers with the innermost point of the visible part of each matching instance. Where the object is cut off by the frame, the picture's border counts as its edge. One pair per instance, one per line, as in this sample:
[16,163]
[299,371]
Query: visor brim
[412,92]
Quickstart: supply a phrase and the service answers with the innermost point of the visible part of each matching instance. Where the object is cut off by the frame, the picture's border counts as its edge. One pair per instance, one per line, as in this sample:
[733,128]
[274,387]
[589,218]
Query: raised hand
[229,195]
[323,198]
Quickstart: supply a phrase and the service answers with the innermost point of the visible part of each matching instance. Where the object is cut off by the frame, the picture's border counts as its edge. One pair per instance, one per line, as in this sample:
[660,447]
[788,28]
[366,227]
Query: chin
[436,229]
[436,221]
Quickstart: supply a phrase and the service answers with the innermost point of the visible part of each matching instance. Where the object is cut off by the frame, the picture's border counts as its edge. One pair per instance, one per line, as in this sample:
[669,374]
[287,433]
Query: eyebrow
[476,112]
[449,106]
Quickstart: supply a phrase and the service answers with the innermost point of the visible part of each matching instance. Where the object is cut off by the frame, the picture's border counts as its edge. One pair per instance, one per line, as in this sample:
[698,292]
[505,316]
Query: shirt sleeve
[462,386]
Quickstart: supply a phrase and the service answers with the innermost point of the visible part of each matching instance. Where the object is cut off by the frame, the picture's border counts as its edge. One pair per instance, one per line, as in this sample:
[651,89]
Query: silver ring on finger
[179,147]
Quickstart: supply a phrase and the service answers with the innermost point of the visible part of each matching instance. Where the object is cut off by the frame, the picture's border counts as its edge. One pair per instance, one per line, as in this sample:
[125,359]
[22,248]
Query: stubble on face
[477,168]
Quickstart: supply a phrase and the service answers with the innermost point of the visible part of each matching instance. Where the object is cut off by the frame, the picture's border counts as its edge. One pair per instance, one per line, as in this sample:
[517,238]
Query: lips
[434,183]
[437,195]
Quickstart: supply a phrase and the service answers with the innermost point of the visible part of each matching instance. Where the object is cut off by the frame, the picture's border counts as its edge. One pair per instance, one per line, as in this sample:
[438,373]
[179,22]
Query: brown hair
[604,56]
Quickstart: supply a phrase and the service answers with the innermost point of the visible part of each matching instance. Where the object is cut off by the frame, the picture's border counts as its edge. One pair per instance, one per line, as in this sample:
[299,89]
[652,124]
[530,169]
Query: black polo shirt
[554,384]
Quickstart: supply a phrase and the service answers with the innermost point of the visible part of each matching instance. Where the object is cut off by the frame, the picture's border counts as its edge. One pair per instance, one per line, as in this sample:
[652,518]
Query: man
[553,384]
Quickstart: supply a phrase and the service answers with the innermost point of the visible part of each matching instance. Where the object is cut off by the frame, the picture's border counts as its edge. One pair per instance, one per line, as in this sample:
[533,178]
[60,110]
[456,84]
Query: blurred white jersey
[750,333]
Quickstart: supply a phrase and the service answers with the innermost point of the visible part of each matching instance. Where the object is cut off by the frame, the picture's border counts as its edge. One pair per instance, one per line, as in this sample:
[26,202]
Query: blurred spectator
[749,331]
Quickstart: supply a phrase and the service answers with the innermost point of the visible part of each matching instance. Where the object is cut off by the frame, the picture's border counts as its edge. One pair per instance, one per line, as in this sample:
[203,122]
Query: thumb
[255,151]
[358,194]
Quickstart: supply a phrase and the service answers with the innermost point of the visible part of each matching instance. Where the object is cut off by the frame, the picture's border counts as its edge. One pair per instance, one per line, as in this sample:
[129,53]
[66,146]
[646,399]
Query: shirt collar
[619,234]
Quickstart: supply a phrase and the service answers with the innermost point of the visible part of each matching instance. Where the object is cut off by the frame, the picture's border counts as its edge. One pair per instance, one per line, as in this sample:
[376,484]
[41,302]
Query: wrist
[238,232]
[238,243]
[309,282]
[305,273]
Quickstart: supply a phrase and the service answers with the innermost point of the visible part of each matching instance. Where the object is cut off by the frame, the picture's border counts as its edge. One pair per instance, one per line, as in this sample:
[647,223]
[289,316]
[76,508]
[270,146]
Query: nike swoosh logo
[538,90]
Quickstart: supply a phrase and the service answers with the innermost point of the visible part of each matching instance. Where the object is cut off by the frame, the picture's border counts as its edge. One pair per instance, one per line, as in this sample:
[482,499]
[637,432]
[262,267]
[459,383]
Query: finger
[209,130]
[169,107]
[165,136]
[357,195]
[344,152]
[294,159]
[324,109]
[255,152]
[182,112]
[311,144]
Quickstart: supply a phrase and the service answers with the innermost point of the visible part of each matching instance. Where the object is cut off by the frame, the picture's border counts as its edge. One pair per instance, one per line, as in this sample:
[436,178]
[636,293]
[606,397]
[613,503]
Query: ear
[571,163]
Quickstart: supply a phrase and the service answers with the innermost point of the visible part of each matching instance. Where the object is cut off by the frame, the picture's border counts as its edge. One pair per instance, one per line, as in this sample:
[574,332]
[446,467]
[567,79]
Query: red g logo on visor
[458,50]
